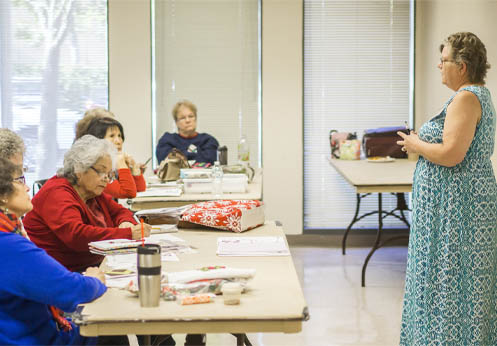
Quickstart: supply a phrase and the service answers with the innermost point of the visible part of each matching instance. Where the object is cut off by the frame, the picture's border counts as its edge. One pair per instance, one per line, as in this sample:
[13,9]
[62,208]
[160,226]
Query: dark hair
[98,127]
[468,48]
[7,171]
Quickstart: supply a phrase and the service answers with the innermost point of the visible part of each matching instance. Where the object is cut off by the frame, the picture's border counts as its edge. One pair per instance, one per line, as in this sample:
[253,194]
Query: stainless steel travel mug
[149,274]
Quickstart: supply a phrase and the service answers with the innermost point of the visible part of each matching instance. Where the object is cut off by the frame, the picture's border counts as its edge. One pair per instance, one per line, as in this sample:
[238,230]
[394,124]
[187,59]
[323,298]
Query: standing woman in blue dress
[451,279]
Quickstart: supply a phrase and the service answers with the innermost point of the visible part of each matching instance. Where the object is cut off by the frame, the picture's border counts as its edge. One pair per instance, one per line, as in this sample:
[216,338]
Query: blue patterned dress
[451,278]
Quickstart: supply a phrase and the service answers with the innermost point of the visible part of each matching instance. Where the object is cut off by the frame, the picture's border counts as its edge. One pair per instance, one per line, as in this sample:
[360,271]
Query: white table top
[395,176]
[274,303]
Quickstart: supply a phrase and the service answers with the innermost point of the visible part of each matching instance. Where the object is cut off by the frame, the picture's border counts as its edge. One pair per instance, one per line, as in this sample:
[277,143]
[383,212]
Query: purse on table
[345,145]
[169,168]
[383,142]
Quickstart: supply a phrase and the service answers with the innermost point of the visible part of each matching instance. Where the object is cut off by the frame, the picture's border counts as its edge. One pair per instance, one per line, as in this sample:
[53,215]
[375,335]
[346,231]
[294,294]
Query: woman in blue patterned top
[451,279]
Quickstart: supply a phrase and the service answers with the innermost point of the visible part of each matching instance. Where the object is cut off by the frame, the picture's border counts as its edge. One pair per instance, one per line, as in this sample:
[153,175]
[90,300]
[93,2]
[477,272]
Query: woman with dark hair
[34,285]
[129,177]
[451,282]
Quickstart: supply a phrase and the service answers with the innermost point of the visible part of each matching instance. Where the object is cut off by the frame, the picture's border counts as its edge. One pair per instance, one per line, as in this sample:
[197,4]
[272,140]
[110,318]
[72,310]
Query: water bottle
[217,180]
[243,151]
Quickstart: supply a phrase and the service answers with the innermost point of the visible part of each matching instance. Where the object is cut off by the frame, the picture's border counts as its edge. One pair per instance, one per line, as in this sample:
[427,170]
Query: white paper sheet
[252,246]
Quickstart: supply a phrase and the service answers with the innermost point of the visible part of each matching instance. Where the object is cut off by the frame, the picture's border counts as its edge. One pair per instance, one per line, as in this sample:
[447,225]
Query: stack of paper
[161,216]
[252,246]
[167,243]
[161,192]
[168,228]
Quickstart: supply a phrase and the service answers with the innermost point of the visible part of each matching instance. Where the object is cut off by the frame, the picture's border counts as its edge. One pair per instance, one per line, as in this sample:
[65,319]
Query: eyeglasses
[443,61]
[191,116]
[103,175]
[20,180]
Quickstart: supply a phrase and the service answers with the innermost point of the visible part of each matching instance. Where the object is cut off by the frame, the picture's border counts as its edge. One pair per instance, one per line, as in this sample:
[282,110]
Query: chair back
[38,184]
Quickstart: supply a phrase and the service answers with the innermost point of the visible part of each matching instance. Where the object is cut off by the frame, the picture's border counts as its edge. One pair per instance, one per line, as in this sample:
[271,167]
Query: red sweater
[126,185]
[62,225]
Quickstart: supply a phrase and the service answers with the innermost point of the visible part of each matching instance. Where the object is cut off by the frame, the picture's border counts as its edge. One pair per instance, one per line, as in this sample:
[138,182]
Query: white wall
[130,86]
[435,20]
[282,121]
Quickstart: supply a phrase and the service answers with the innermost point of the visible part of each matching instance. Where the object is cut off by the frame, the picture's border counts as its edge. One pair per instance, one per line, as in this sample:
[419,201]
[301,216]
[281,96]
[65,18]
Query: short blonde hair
[185,103]
[468,48]
[82,125]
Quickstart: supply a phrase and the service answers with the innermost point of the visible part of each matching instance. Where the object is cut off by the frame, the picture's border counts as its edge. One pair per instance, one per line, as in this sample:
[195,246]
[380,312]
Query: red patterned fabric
[223,214]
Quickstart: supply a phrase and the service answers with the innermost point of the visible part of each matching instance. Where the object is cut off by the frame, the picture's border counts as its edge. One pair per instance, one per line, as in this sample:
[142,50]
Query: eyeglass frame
[21,179]
[102,175]
[189,116]
[442,61]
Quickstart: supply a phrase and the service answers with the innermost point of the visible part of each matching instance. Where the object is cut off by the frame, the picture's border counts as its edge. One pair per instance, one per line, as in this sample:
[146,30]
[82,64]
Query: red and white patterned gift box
[228,215]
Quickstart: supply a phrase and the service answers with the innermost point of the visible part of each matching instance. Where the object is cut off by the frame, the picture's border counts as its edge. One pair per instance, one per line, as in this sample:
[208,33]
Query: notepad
[252,246]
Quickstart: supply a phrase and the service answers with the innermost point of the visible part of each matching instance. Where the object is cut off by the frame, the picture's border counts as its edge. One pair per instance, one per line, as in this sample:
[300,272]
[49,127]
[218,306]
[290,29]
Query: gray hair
[10,144]
[83,154]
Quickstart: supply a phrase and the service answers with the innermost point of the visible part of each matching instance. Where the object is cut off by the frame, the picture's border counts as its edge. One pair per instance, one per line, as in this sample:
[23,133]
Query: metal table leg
[242,340]
[354,220]
[376,242]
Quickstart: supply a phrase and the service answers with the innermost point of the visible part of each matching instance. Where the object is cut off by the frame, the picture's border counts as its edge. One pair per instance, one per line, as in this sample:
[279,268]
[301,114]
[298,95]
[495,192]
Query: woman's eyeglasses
[20,180]
[443,61]
[102,175]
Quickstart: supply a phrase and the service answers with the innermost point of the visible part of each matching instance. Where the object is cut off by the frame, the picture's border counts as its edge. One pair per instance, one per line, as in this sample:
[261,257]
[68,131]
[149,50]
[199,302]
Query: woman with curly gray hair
[11,146]
[451,281]
[71,210]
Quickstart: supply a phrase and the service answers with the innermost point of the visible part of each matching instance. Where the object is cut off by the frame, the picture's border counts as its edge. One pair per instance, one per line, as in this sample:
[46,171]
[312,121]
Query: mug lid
[148,249]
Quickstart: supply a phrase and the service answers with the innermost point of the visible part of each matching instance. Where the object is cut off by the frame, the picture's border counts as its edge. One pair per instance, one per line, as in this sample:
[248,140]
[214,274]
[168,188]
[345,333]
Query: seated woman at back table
[72,210]
[200,147]
[34,285]
[129,176]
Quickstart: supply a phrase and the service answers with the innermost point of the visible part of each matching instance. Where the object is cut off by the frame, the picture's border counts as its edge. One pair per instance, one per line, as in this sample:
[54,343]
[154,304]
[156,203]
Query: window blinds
[53,66]
[207,51]
[356,76]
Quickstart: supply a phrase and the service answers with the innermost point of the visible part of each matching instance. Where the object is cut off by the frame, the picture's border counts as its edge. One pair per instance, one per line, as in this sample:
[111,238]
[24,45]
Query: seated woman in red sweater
[72,210]
[129,176]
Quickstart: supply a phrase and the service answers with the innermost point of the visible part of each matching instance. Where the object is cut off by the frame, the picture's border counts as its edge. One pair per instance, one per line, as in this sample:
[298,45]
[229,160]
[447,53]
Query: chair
[38,184]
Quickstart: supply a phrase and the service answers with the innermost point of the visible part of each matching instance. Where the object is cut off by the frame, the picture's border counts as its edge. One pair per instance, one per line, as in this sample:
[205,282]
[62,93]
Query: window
[357,75]
[53,66]
[208,52]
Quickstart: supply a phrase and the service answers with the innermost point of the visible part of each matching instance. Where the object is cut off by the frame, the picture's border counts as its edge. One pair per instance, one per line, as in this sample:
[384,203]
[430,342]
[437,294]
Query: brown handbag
[383,142]
[169,168]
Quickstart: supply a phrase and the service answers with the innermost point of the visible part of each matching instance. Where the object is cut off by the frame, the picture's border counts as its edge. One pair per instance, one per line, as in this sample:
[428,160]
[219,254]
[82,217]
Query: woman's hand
[126,224]
[136,231]
[121,161]
[94,272]
[134,168]
[409,142]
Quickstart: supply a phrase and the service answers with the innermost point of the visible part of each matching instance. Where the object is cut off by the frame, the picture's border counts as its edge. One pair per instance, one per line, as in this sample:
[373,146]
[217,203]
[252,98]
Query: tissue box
[201,185]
